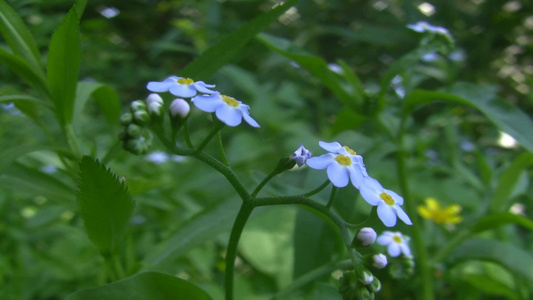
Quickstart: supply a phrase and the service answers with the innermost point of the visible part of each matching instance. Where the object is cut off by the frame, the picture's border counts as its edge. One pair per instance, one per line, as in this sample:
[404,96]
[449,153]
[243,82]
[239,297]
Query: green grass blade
[63,65]
[106,98]
[19,37]
[105,206]
[20,67]
[217,56]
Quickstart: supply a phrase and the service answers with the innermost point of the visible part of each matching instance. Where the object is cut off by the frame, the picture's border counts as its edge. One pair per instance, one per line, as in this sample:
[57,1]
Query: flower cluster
[343,165]
[135,138]
[227,109]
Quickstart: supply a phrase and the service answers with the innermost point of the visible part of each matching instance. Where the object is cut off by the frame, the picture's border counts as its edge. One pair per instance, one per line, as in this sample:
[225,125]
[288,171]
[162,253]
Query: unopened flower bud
[301,155]
[141,117]
[375,285]
[154,98]
[364,294]
[367,236]
[134,130]
[179,108]
[137,105]
[126,118]
[379,261]
[154,108]
[366,277]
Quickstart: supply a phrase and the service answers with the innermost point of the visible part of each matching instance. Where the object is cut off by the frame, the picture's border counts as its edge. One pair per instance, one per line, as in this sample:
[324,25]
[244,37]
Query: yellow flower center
[343,160]
[230,101]
[397,239]
[186,81]
[387,198]
[350,150]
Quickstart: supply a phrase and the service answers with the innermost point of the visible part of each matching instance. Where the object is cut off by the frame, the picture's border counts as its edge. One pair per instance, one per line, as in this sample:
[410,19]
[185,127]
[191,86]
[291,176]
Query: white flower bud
[154,108]
[179,108]
[366,277]
[380,261]
[367,236]
[154,98]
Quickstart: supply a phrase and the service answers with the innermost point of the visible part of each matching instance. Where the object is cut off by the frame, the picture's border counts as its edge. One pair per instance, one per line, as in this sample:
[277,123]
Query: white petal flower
[301,155]
[396,243]
[388,202]
[379,261]
[342,164]
[179,108]
[180,86]
[227,109]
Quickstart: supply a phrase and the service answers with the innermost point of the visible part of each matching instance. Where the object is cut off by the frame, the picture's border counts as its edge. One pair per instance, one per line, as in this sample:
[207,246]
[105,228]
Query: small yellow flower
[438,214]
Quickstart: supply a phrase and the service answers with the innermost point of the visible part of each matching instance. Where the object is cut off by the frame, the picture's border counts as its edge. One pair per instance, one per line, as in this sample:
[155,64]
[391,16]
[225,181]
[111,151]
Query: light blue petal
[231,116]
[387,214]
[384,239]
[159,87]
[402,215]
[356,176]
[203,88]
[338,175]
[360,164]
[369,194]
[394,249]
[397,198]
[333,147]
[373,185]
[405,249]
[320,162]
[183,90]
[249,119]
[208,103]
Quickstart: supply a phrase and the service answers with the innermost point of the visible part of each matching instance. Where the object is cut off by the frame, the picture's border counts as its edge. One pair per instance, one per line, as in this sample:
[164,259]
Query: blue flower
[342,163]
[180,86]
[423,26]
[227,109]
[301,155]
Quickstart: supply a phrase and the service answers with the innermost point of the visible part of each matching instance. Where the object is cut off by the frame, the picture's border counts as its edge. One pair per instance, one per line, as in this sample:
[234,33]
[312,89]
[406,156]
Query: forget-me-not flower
[388,202]
[342,164]
[423,26]
[301,155]
[396,243]
[180,86]
[227,109]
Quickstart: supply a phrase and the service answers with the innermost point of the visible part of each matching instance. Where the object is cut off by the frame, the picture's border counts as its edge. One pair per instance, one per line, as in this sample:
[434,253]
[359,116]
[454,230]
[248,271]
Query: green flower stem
[361,224]
[331,197]
[221,149]
[118,267]
[243,215]
[318,189]
[421,253]
[214,131]
[186,134]
[262,183]
[455,241]
[72,140]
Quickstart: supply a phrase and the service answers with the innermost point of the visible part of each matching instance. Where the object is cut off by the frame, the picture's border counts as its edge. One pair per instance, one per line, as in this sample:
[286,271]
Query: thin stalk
[221,149]
[456,241]
[186,134]
[318,189]
[231,254]
[331,197]
[216,128]
[262,183]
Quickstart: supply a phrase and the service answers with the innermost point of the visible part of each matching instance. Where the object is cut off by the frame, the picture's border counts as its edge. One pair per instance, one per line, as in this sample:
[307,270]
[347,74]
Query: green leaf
[63,63]
[217,56]
[20,67]
[489,285]
[315,65]
[310,228]
[507,255]
[105,97]
[8,156]
[203,227]
[80,7]
[505,116]
[508,181]
[500,219]
[146,285]
[19,38]
[22,98]
[105,205]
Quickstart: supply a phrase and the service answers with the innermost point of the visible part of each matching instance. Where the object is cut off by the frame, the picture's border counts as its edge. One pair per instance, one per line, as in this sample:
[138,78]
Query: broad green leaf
[144,286]
[104,96]
[21,178]
[203,227]
[20,67]
[80,7]
[310,228]
[21,98]
[514,259]
[500,219]
[217,56]
[489,285]
[62,65]
[508,180]
[315,65]
[105,205]
[19,38]
[505,116]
